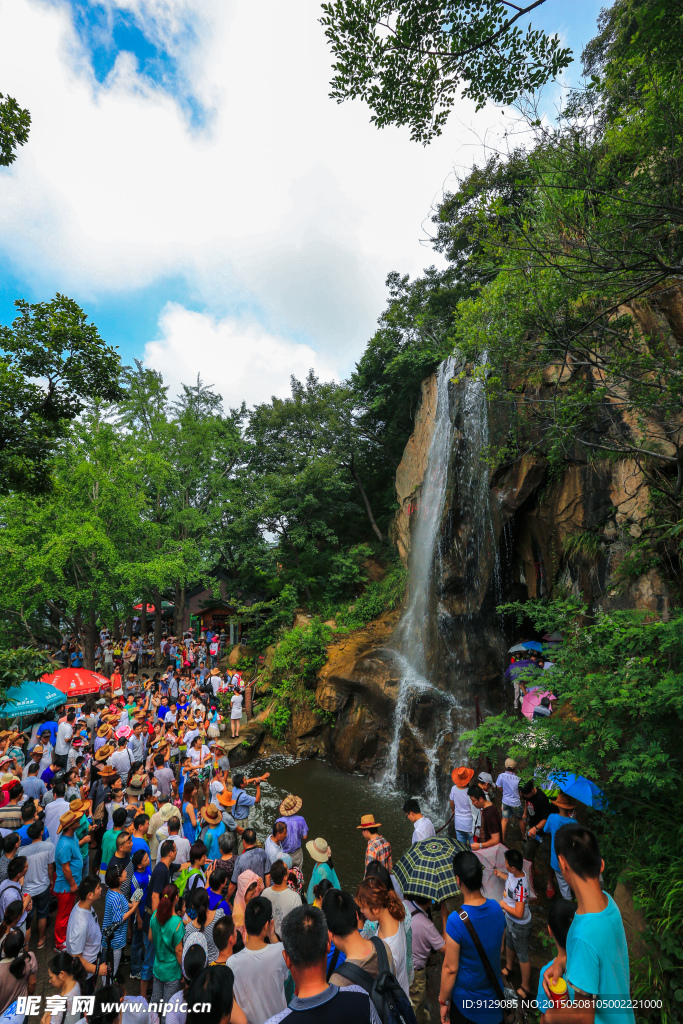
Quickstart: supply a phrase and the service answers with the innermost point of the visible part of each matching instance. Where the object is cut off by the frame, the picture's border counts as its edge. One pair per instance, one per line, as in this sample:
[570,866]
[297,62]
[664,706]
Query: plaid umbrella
[426,868]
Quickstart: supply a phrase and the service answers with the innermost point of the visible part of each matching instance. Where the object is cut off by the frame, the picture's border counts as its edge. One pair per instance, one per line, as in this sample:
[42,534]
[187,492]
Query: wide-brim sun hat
[368,821]
[103,731]
[68,820]
[80,806]
[567,802]
[290,805]
[319,849]
[107,772]
[168,811]
[225,799]
[104,752]
[211,814]
[462,776]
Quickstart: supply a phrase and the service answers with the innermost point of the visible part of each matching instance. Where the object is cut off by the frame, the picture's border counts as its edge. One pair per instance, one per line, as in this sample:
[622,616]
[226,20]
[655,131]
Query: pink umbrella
[533,698]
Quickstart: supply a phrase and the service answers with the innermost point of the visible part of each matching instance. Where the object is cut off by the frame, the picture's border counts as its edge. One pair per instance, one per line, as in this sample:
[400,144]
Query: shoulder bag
[508,1000]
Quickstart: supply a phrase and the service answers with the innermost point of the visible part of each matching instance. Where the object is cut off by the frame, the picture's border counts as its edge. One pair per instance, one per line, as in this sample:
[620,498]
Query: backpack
[183,880]
[386,995]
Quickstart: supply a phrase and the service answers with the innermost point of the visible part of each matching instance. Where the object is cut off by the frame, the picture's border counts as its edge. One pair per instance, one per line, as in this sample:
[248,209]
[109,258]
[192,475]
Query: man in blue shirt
[49,725]
[566,807]
[69,870]
[596,961]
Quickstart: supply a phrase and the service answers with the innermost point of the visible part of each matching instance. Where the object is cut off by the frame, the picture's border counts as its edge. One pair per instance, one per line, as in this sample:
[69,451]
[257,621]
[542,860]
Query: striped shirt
[379,849]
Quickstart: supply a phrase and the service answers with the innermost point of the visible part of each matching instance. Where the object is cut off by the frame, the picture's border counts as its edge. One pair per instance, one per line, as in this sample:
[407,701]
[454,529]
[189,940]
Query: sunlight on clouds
[241,360]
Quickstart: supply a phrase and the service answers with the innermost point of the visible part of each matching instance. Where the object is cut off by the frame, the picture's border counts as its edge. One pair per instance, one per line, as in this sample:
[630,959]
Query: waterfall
[445,713]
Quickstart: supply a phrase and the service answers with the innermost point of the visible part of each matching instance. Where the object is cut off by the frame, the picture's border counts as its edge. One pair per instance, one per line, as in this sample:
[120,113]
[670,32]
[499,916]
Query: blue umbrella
[579,788]
[519,667]
[31,699]
[532,645]
[518,648]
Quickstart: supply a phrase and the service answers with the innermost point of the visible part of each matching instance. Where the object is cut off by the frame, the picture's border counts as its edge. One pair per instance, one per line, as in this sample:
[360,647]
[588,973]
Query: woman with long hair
[65,974]
[204,920]
[195,959]
[200,759]
[379,904]
[189,810]
[166,933]
[18,970]
[249,885]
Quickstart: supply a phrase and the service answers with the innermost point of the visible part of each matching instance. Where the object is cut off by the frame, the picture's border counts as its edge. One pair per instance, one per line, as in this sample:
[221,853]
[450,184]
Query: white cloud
[285,202]
[240,359]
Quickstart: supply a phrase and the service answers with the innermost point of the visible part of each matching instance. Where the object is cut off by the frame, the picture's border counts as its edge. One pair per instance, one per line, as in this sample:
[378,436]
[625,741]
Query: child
[426,938]
[560,917]
[566,806]
[517,918]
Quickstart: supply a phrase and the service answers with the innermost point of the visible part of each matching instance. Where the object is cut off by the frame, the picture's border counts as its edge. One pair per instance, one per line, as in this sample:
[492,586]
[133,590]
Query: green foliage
[19,665]
[618,722]
[378,597]
[15,123]
[546,616]
[302,652]
[585,547]
[409,58]
[52,362]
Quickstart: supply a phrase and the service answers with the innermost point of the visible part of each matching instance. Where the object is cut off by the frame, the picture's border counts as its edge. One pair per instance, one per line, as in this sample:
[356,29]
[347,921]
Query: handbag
[506,997]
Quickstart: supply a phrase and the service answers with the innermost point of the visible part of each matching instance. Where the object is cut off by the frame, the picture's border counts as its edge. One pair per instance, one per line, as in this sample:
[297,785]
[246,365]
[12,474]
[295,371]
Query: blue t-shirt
[68,852]
[471,983]
[597,960]
[139,844]
[34,788]
[211,841]
[218,902]
[541,998]
[244,801]
[553,825]
[115,906]
[141,882]
[52,728]
[23,832]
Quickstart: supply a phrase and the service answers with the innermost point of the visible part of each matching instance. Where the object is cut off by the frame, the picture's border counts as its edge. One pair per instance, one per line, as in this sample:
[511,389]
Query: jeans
[162,992]
[140,955]
[463,837]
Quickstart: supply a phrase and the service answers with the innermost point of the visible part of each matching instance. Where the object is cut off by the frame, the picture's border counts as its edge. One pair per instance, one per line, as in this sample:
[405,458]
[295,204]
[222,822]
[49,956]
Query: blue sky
[192,187]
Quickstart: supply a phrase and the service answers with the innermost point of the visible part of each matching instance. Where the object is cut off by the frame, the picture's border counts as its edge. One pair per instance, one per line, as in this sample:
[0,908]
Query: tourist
[508,783]
[236,702]
[560,916]
[466,991]
[281,897]
[517,919]
[202,921]
[18,971]
[11,891]
[218,880]
[140,826]
[64,973]
[171,830]
[459,803]
[249,886]
[119,818]
[324,868]
[376,903]
[65,732]
[40,876]
[422,827]
[297,829]
[213,987]
[214,830]
[189,811]
[68,874]
[10,813]
[490,828]
[341,914]
[121,860]
[11,844]
[425,939]
[596,964]
[253,858]
[244,802]
[116,909]
[306,939]
[34,788]
[166,933]
[378,847]
[224,937]
[564,816]
[537,808]
[274,844]
[83,934]
[259,970]
[140,967]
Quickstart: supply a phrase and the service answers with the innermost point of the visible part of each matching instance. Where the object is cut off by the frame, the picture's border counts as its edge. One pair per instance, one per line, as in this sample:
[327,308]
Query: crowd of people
[128,804]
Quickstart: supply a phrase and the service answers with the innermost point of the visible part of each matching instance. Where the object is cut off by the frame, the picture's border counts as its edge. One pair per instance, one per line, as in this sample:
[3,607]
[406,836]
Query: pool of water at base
[333,802]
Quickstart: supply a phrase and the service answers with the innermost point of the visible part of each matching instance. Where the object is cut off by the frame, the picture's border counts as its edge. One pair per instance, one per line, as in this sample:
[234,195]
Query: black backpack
[387,996]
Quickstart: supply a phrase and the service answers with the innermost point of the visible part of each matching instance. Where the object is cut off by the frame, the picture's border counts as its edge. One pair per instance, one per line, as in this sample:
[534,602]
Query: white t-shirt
[53,813]
[463,809]
[399,950]
[39,856]
[282,903]
[182,845]
[260,977]
[189,736]
[510,785]
[215,787]
[64,734]
[236,705]
[422,829]
[215,684]
[197,755]
[516,891]
[83,935]
[69,1015]
[136,1011]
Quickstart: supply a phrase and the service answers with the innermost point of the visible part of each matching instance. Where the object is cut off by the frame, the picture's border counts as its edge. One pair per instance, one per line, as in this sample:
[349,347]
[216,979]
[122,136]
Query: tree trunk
[156,597]
[368,509]
[143,616]
[179,609]
[116,631]
[91,638]
[129,625]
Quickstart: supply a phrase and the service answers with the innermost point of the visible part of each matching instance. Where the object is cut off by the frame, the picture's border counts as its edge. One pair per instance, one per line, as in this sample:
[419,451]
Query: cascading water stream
[474,532]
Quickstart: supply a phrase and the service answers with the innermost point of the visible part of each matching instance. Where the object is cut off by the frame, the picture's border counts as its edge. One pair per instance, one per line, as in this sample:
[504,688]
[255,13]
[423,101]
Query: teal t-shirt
[597,961]
[165,939]
[541,998]
[67,852]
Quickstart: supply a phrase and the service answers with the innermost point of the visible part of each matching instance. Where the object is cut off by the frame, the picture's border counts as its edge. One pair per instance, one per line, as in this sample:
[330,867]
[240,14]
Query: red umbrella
[138,608]
[77,682]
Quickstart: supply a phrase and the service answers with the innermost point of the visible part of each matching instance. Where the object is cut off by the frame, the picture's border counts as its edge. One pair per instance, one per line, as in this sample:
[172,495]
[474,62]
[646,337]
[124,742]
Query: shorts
[509,812]
[41,904]
[517,938]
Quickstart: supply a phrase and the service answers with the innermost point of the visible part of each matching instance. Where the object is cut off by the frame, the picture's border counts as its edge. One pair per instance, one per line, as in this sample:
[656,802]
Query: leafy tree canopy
[15,123]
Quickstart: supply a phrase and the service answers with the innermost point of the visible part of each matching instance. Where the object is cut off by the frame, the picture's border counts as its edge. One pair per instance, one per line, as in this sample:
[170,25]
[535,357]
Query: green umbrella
[426,869]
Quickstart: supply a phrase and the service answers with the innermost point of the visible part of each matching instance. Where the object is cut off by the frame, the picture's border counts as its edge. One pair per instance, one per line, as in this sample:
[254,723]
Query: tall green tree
[15,123]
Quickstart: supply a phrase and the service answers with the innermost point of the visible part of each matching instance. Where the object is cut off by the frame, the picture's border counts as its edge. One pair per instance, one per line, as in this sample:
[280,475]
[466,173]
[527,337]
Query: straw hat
[162,747]
[38,749]
[290,805]
[169,811]
[225,798]
[319,850]
[462,776]
[107,772]
[211,814]
[136,786]
[104,752]
[4,735]
[366,821]
[80,806]
[68,820]
[510,762]
[7,779]
[565,801]
[103,731]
